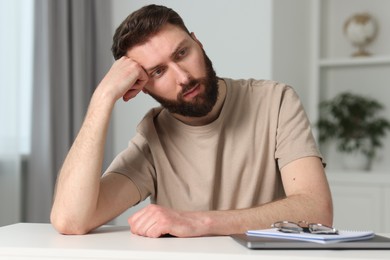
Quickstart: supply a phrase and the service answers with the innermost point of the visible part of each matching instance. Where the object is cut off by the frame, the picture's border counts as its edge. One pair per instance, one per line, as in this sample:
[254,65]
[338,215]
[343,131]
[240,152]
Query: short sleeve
[135,162]
[294,134]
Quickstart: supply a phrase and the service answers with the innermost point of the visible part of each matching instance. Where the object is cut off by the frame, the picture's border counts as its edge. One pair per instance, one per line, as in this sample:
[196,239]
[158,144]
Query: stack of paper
[318,238]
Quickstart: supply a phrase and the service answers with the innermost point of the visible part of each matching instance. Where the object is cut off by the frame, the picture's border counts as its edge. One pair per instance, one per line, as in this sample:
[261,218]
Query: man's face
[181,76]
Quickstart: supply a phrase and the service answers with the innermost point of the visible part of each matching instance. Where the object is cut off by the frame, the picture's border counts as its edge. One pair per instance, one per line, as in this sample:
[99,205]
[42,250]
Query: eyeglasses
[304,226]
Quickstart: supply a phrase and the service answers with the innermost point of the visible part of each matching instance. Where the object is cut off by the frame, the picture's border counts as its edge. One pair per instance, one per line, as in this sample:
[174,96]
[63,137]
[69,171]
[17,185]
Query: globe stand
[361,52]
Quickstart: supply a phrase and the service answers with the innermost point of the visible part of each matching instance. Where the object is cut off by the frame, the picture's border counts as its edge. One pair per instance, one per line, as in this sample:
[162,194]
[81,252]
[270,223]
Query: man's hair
[142,24]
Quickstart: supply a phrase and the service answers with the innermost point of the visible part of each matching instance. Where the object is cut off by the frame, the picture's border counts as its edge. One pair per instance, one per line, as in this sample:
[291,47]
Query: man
[219,157]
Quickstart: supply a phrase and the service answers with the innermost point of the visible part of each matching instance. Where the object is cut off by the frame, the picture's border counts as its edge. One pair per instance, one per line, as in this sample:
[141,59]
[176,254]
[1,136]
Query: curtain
[71,55]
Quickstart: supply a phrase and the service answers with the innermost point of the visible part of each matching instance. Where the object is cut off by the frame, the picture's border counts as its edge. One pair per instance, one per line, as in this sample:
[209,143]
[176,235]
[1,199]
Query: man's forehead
[161,45]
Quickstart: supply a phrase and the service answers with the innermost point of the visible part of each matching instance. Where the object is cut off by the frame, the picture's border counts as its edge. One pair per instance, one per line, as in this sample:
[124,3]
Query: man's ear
[196,39]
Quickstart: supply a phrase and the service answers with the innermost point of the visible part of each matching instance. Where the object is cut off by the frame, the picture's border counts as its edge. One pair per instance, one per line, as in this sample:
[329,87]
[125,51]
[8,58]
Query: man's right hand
[125,79]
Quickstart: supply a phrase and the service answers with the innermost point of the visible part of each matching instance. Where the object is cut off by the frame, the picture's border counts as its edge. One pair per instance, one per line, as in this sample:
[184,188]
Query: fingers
[151,221]
[139,83]
[125,79]
[131,93]
[155,221]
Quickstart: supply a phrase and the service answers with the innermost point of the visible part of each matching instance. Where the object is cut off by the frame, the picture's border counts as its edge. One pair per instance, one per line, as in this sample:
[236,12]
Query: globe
[361,30]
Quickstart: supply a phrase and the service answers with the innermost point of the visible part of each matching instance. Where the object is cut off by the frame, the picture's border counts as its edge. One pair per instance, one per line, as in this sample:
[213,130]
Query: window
[16,56]
[16,49]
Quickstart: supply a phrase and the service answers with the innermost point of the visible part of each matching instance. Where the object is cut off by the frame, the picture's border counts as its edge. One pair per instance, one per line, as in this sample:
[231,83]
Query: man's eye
[157,73]
[182,53]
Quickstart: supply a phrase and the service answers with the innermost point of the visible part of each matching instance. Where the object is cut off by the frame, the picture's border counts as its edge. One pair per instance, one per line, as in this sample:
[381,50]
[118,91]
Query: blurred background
[55,52]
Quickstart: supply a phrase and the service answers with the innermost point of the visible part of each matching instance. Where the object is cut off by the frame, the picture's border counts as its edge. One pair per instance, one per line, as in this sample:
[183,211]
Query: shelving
[362,61]
[361,199]
[335,71]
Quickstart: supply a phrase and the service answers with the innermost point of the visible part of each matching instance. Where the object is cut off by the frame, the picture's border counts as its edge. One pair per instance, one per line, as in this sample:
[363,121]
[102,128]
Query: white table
[41,241]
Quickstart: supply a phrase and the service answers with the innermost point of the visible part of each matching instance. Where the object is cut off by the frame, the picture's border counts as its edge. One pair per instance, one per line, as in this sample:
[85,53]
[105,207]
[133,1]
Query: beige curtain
[71,55]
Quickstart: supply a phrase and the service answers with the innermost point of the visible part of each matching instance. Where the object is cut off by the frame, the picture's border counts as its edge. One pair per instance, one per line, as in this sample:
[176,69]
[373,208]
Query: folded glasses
[303,226]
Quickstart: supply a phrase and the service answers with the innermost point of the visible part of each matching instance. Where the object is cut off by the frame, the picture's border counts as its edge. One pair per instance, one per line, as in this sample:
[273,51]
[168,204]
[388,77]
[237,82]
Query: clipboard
[252,242]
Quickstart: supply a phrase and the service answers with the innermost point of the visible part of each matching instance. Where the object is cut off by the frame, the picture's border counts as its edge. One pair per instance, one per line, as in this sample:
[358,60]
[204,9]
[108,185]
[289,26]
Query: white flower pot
[355,161]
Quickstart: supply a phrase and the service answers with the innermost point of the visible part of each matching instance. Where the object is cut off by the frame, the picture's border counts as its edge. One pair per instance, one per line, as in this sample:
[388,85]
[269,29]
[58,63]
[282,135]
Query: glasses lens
[322,229]
[287,227]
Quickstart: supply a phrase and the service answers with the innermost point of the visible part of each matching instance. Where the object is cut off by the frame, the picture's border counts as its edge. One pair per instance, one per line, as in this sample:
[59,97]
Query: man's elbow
[67,226]
[325,212]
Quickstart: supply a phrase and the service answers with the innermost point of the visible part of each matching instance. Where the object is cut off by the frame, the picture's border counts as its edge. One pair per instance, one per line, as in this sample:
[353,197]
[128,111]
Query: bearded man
[219,157]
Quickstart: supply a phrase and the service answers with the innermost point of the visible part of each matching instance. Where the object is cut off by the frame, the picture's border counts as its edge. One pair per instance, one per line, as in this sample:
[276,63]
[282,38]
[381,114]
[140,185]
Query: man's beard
[203,103]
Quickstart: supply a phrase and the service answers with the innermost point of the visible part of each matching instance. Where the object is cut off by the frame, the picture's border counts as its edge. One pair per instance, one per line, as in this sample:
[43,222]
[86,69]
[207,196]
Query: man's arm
[308,198]
[83,200]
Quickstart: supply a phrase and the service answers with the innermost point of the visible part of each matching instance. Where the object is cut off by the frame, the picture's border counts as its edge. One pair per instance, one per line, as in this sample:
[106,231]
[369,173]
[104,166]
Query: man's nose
[182,76]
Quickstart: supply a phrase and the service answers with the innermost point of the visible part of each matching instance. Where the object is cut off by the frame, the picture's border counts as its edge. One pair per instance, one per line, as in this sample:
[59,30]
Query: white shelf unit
[335,71]
[361,199]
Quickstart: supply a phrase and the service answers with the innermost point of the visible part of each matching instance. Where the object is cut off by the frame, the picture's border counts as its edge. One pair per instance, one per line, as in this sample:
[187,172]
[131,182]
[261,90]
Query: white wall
[235,34]
[291,45]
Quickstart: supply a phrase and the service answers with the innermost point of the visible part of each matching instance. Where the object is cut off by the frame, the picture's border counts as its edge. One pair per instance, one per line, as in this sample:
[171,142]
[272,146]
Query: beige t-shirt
[231,163]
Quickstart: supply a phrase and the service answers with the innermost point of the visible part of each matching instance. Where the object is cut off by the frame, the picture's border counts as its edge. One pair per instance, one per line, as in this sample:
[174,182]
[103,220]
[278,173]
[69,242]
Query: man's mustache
[192,83]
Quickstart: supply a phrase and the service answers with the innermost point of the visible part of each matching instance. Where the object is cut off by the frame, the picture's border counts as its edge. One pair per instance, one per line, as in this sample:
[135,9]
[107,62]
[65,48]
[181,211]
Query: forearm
[81,202]
[77,186]
[154,220]
[294,208]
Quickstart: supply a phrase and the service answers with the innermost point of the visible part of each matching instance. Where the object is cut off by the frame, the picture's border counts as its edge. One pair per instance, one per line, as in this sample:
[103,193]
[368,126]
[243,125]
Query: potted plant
[353,122]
